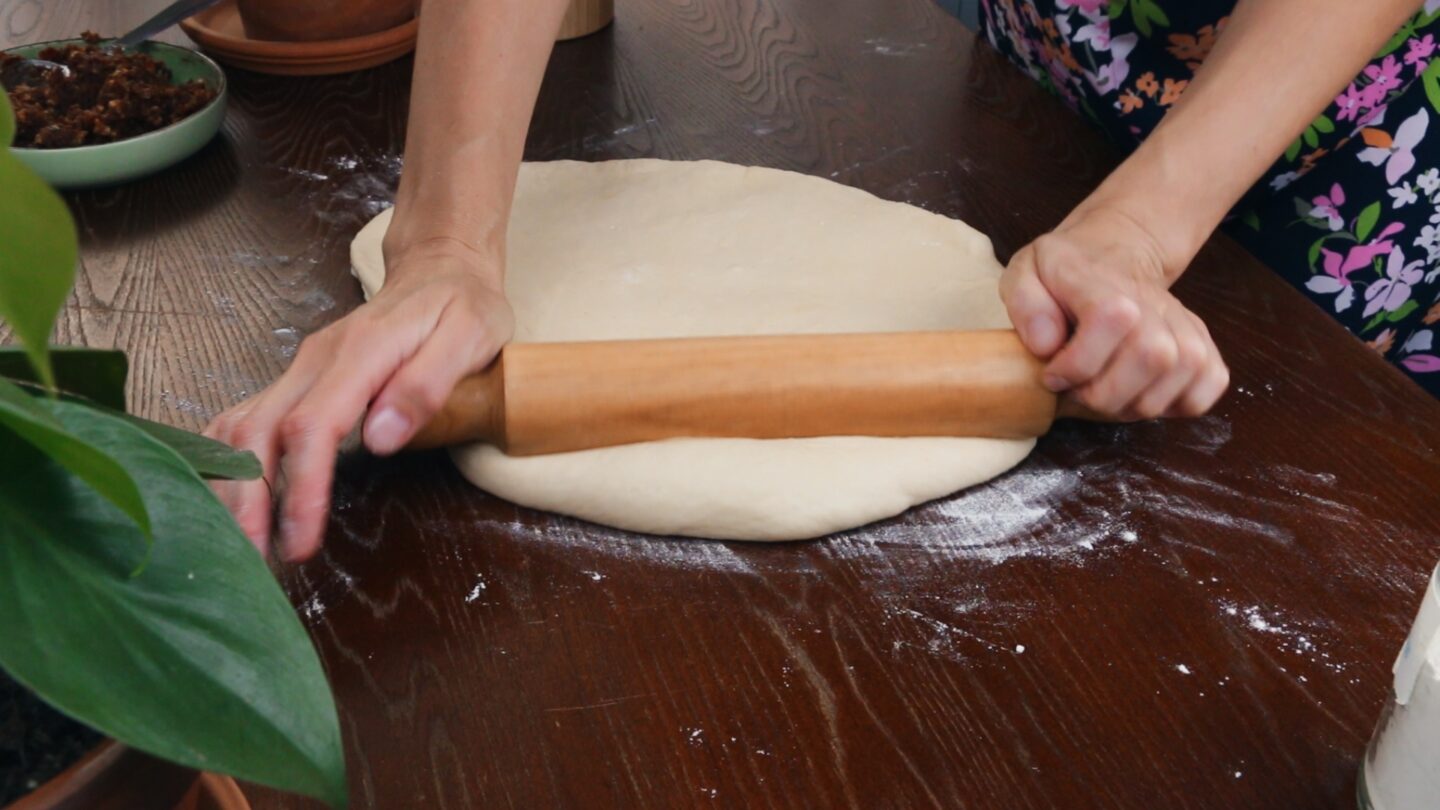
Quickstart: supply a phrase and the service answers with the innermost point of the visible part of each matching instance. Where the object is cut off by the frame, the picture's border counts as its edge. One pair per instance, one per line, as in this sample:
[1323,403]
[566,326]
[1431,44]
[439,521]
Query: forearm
[478,69]
[1277,64]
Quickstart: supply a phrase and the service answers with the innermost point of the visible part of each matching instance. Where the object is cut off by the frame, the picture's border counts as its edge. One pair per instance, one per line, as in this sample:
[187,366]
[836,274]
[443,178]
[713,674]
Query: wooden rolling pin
[556,397]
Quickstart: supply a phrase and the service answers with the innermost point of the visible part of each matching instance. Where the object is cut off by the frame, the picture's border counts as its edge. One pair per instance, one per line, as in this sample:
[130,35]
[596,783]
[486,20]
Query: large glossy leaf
[199,659]
[211,459]
[37,255]
[95,374]
[29,419]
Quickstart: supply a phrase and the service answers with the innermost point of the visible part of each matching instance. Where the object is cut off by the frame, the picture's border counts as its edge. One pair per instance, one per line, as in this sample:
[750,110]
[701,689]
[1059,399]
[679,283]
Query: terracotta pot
[314,20]
[113,777]
[214,792]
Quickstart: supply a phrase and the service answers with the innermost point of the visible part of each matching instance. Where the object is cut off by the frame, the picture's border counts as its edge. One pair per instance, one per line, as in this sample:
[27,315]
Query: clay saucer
[219,32]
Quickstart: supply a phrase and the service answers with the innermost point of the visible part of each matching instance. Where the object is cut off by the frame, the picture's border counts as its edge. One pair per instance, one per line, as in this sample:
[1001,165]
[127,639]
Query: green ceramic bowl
[110,163]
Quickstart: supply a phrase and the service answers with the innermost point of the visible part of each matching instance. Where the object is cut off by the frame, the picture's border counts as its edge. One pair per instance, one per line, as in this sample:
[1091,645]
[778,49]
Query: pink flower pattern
[1350,214]
[1327,207]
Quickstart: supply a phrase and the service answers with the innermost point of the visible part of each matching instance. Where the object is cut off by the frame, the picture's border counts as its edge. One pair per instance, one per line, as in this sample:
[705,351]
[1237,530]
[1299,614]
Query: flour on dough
[649,248]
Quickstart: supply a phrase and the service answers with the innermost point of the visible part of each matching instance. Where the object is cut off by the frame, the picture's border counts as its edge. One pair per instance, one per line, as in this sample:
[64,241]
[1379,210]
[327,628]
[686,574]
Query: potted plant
[129,599]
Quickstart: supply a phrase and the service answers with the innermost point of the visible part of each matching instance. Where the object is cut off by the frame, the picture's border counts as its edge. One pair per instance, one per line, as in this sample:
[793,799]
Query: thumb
[420,388]
[1038,318]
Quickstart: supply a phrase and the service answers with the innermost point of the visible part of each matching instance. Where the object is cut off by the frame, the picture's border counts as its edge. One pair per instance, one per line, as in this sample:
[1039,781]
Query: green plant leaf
[37,262]
[95,374]
[1323,124]
[28,419]
[1311,139]
[200,659]
[1293,150]
[1117,7]
[211,459]
[1252,219]
[1365,223]
[7,121]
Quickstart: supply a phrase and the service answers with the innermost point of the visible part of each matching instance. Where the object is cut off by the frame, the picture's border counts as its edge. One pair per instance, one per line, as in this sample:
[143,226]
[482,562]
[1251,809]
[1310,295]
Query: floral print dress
[1349,214]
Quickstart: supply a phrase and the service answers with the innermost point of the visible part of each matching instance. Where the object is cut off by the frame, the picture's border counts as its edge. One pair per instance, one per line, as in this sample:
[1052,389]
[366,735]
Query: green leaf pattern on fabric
[1362,178]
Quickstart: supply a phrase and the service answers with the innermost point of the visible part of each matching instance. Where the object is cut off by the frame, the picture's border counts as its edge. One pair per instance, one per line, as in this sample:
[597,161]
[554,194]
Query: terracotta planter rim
[85,769]
[201,28]
[110,767]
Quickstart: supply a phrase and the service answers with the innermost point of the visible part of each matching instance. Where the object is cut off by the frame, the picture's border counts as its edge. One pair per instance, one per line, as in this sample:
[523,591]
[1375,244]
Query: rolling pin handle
[475,411]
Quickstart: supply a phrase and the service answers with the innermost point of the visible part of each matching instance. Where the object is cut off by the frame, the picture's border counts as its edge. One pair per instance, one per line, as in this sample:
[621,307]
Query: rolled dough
[651,248]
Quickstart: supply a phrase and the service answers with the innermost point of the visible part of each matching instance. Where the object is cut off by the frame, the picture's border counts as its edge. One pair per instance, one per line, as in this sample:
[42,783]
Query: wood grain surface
[1181,615]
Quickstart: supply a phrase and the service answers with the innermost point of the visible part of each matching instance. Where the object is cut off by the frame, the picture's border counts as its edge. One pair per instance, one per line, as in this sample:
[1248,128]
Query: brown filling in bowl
[108,96]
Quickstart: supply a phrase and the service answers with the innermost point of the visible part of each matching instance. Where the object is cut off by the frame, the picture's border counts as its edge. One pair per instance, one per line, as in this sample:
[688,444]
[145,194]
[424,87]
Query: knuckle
[1190,353]
[1222,378]
[243,433]
[1119,313]
[352,341]
[433,398]
[301,425]
[1150,407]
[314,347]
[219,427]
[1200,326]
[1222,384]
[1051,249]
[425,399]
[1157,354]
[1097,398]
[1192,406]
[1020,264]
[1202,398]
[1080,369]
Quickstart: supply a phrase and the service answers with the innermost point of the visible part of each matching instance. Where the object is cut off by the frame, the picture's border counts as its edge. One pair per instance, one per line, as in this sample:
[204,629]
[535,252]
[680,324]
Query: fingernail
[1041,331]
[1055,383]
[287,539]
[386,431]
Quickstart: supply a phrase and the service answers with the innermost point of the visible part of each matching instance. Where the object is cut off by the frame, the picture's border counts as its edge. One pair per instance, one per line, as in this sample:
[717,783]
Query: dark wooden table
[1188,615]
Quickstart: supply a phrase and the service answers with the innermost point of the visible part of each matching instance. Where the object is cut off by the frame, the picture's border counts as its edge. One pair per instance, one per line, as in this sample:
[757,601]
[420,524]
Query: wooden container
[586,17]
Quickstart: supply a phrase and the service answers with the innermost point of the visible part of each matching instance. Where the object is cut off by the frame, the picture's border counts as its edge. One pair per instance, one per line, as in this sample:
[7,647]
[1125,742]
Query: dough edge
[822,502]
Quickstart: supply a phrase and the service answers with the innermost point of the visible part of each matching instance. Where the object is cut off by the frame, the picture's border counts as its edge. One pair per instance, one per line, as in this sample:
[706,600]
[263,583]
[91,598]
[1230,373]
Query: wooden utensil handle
[557,397]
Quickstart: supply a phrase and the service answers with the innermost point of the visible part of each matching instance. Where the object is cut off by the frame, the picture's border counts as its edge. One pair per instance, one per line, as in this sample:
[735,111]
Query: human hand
[441,315]
[1135,352]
